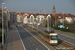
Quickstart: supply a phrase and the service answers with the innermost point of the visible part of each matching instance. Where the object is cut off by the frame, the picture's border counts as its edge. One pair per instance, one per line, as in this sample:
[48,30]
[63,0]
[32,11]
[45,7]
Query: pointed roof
[53,6]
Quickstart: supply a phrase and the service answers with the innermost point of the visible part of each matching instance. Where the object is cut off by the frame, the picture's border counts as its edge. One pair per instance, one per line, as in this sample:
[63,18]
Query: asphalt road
[61,36]
[30,43]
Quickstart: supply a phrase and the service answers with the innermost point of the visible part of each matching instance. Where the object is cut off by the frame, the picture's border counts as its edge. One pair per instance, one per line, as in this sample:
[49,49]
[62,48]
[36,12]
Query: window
[47,37]
[53,37]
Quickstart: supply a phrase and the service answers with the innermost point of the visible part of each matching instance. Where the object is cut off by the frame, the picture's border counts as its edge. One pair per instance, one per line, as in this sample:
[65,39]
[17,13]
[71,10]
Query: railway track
[67,47]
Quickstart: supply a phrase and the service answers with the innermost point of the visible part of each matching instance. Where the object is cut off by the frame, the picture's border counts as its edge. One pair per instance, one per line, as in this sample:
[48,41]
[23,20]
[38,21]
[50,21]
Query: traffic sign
[66,27]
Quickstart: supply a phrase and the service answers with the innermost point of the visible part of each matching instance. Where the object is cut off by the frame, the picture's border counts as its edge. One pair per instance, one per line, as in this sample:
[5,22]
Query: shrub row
[62,29]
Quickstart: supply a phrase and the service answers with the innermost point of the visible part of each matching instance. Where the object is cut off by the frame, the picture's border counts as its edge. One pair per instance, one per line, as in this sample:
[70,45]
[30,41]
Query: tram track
[68,47]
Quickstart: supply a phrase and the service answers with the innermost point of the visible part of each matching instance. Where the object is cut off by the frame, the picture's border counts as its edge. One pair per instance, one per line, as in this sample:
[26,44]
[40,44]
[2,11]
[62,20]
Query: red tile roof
[22,13]
[5,10]
[64,15]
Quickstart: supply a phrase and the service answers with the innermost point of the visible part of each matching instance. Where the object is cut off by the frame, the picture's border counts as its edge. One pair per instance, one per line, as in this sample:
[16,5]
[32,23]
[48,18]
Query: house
[68,18]
[34,18]
[20,17]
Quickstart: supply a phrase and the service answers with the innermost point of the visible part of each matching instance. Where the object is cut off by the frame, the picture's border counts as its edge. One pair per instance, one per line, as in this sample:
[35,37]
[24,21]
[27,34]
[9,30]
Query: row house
[68,18]
[30,18]
[5,12]
[20,17]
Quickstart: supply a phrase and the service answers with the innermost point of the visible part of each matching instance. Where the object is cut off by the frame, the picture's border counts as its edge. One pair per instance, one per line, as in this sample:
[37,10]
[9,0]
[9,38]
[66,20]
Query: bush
[56,27]
[46,25]
[64,29]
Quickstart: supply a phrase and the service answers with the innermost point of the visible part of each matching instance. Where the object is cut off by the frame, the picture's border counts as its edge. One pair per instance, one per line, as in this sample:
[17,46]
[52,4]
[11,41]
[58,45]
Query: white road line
[30,41]
[21,39]
[67,41]
[37,39]
[28,38]
[36,48]
[66,36]
[33,44]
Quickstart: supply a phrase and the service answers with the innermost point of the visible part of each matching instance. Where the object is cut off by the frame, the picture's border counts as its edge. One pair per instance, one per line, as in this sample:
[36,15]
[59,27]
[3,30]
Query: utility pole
[2,26]
[63,18]
[48,24]
[37,24]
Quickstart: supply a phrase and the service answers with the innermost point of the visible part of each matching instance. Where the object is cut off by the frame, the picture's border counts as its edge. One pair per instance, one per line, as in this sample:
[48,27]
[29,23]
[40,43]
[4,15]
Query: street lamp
[37,24]
[48,22]
[32,20]
[63,18]
[2,27]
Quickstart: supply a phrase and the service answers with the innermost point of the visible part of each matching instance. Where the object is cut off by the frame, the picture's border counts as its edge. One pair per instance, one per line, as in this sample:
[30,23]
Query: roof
[22,13]
[53,34]
[5,10]
[64,15]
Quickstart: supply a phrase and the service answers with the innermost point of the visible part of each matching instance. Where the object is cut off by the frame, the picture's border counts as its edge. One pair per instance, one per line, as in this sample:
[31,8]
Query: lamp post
[37,24]
[32,21]
[2,26]
[48,22]
[63,18]
[6,23]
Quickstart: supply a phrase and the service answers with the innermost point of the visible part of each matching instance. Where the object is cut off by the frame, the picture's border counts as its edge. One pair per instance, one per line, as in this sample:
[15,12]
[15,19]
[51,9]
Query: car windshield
[53,37]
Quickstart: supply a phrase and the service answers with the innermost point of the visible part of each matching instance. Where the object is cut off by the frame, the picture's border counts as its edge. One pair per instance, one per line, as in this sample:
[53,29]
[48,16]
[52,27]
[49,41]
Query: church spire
[53,12]
[53,6]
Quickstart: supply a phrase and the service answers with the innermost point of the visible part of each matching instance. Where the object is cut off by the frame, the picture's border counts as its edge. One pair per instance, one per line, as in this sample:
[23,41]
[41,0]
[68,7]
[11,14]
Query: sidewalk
[13,41]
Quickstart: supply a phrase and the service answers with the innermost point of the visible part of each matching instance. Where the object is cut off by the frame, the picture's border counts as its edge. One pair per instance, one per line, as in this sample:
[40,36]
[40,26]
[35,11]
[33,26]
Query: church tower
[53,11]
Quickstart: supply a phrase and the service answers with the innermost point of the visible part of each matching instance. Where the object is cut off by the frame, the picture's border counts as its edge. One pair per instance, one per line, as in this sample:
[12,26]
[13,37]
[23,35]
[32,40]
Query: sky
[61,6]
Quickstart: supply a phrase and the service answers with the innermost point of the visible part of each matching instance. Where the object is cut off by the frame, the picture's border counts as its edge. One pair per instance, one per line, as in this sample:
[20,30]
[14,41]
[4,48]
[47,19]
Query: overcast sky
[66,6]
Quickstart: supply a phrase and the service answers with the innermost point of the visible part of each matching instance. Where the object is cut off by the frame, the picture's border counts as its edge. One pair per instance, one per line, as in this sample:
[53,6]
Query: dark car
[52,31]
[17,25]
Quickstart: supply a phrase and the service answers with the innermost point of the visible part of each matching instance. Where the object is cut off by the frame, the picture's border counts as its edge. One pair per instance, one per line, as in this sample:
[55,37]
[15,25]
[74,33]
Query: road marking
[66,36]
[36,38]
[36,48]
[28,38]
[30,41]
[21,39]
[33,44]
[67,41]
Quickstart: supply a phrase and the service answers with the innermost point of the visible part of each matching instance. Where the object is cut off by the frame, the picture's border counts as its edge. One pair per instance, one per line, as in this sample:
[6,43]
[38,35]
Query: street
[29,41]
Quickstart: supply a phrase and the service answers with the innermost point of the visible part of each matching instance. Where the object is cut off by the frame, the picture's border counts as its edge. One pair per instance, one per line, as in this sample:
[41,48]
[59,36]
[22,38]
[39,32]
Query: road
[61,36]
[30,43]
